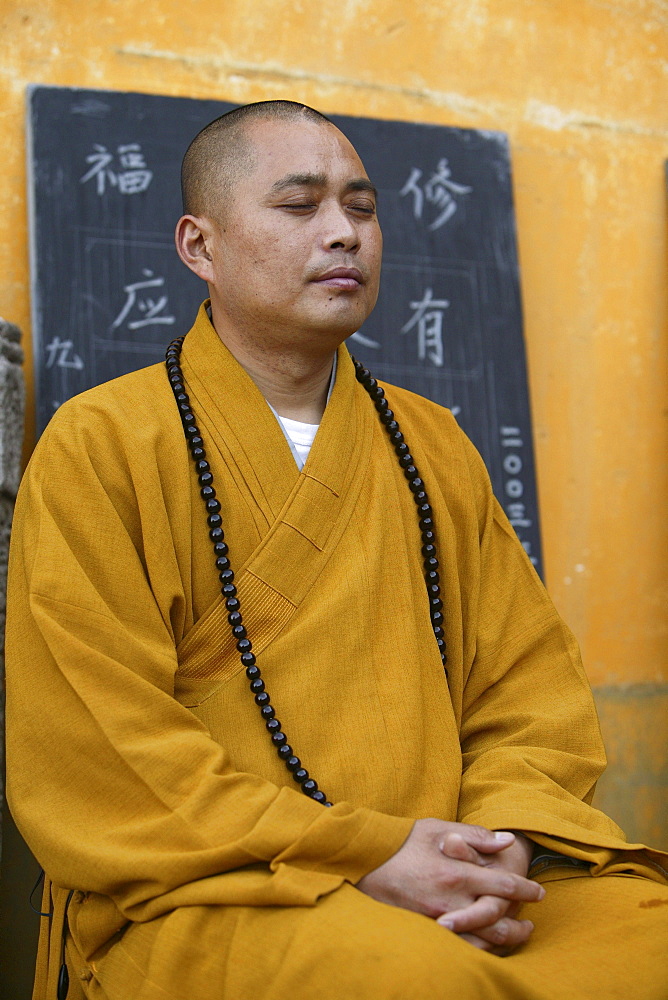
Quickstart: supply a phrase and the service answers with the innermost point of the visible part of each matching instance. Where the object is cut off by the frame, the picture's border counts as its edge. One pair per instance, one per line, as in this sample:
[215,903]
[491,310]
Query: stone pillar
[12,405]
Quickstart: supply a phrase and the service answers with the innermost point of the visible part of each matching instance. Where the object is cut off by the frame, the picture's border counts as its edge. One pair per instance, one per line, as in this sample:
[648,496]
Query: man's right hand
[444,867]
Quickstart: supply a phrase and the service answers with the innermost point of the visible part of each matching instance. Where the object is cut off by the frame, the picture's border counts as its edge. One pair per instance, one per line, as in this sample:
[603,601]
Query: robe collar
[233,410]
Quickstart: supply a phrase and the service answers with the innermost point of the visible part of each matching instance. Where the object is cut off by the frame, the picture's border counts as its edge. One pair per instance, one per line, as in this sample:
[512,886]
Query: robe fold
[139,769]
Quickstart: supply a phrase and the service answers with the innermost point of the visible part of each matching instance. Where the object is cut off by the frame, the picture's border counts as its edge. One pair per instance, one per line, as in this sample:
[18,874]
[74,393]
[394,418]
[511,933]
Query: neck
[294,382]
[296,387]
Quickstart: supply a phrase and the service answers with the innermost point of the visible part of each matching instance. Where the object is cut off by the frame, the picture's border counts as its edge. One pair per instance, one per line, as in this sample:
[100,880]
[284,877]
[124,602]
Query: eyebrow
[320,180]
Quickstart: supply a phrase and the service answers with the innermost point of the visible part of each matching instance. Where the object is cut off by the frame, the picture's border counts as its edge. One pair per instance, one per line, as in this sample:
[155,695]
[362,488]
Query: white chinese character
[439,190]
[145,305]
[131,180]
[428,317]
[57,351]
[517,515]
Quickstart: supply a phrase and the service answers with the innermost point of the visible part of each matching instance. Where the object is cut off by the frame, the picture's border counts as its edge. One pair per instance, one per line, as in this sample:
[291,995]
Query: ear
[193,239]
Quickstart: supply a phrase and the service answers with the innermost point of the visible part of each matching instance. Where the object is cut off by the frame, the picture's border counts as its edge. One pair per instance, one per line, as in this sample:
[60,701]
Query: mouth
[348,279]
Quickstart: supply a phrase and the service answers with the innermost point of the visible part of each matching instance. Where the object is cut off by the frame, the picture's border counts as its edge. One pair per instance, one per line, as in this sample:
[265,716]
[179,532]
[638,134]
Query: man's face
[296,249]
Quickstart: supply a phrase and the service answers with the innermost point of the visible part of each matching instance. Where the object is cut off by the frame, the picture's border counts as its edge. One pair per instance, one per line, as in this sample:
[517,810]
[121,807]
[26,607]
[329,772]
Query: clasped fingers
[477,881]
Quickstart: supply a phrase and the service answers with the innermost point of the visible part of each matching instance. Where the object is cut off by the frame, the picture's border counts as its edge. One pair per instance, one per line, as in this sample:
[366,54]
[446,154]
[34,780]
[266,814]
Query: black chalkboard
[109,291]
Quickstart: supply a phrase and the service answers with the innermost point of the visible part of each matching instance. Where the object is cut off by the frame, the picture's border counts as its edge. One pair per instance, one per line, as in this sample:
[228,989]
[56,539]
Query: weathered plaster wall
[581,86]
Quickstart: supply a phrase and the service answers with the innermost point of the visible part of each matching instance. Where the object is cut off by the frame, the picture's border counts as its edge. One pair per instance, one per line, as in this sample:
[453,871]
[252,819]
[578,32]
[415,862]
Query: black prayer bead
[205,479]
[257,686]
[252,672]
[293,763]
[214,520]
[278,739]
[248,659]
[309,786]
[285,751]
[244,645]
[234,618]
[273,725]
[228,589]
[212,505]
[223,563]
[207,493]
[232,604]
[267,712]
[320,797]
[221,549]
[239,631]
[300,775]
[216,534]
[262,698]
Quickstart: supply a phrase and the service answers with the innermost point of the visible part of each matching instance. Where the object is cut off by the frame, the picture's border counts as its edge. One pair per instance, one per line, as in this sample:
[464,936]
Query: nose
[340,231]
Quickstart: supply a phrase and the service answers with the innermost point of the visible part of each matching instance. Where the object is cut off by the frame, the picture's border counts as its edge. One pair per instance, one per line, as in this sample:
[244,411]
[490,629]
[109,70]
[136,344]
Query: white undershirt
[301,436]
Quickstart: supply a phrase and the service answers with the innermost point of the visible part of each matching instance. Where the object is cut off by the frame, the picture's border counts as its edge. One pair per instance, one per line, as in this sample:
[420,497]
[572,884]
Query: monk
[290,713]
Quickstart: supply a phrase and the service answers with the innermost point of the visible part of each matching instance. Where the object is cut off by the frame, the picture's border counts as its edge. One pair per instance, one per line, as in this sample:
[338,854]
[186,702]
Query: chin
[339,323]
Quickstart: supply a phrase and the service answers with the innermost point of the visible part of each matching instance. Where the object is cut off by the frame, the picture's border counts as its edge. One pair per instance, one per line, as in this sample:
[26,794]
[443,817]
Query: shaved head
[223,151]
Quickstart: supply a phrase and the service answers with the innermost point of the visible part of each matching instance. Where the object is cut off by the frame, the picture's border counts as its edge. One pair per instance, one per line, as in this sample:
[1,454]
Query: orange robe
[139,770]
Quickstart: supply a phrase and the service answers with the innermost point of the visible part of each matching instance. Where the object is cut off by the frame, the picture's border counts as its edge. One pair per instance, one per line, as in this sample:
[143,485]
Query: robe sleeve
[530,737]
[117,788]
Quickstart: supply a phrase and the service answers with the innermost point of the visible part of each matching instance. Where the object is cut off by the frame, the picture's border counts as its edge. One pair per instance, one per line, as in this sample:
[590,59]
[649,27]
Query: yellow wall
[581,86]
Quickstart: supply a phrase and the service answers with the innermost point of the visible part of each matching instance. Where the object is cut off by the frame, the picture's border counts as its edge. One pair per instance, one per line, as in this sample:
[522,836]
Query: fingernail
[542,893]
[504,837]
[446,923]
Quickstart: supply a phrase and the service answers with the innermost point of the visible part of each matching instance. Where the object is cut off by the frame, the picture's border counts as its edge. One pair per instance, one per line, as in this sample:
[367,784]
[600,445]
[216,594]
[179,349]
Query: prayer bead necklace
[226,575]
